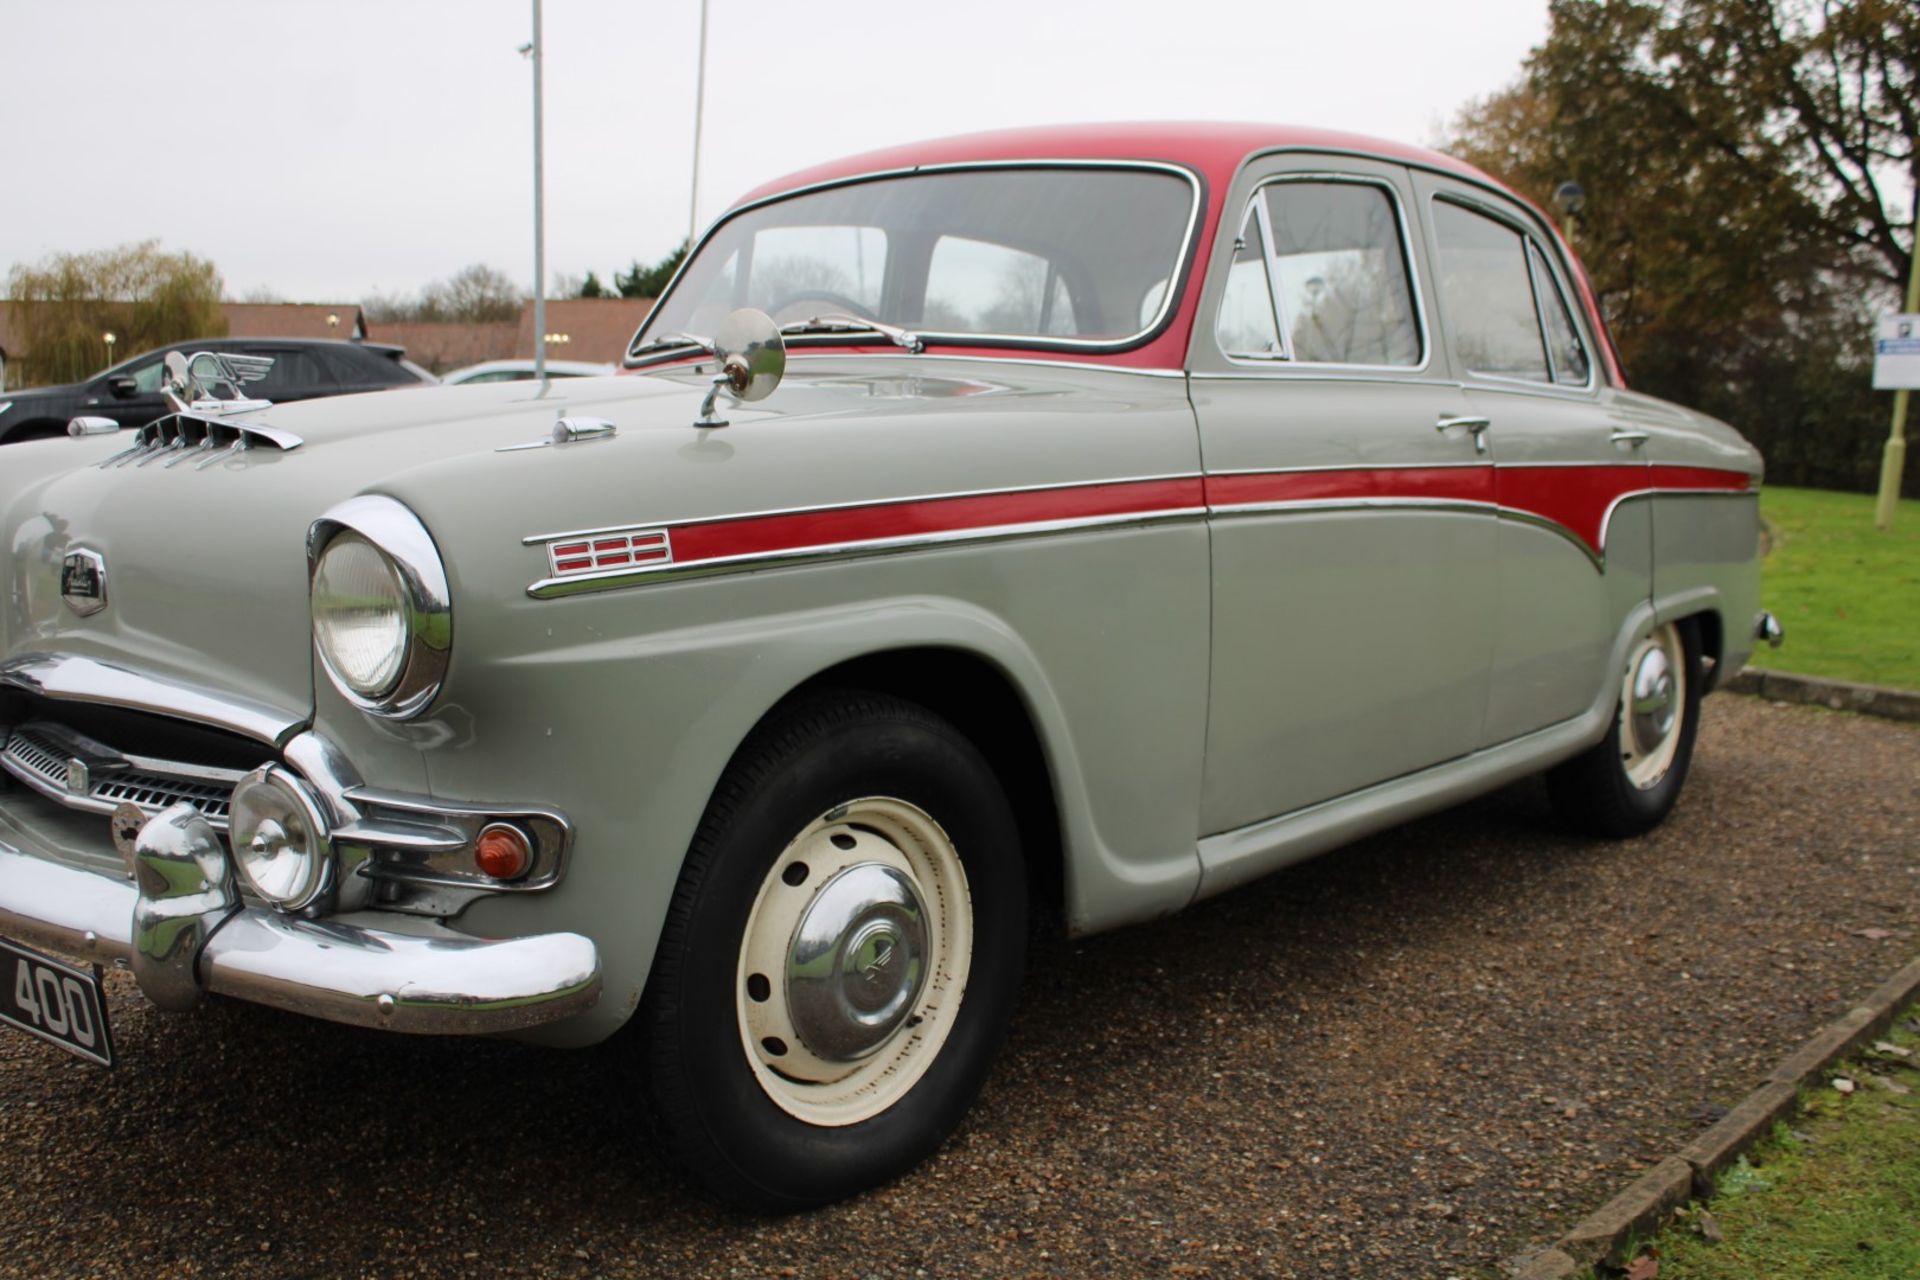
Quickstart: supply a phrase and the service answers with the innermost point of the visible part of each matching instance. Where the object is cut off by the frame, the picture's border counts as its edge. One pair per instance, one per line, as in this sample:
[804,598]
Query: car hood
[205,565]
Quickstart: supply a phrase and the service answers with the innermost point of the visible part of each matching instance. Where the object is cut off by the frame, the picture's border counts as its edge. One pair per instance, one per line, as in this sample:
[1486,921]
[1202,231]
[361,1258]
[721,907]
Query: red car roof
[1214,150]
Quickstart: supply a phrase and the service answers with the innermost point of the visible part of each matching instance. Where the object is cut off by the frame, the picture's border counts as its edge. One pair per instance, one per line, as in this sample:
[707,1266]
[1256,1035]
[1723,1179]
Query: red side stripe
[761,535]
[1578,498]
[1450,484]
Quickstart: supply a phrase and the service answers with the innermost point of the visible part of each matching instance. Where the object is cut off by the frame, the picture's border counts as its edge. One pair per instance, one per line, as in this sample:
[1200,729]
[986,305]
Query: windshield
[1070,256]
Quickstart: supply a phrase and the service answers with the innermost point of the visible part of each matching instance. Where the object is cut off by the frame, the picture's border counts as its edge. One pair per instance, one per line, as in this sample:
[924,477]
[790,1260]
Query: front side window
[1488,293]
[1079,254]
[1341,270]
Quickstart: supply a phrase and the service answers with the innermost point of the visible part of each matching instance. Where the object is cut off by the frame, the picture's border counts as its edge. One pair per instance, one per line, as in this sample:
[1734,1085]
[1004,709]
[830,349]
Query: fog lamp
[280,839]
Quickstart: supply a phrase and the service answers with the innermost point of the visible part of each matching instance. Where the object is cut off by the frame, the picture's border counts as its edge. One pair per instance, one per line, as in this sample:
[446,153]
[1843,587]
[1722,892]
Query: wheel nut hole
[758,988]
[795,874]
[841,840]
[775,1046]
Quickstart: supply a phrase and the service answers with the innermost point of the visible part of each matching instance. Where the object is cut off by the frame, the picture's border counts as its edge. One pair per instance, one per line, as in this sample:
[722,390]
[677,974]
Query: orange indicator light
[503,852]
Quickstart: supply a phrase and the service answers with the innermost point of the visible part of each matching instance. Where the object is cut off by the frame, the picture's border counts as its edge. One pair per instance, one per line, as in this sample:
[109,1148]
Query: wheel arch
[986,704]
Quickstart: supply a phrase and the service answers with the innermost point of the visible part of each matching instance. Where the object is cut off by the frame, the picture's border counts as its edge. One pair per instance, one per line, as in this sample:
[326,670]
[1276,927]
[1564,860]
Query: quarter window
[1246,325]
[1341,270]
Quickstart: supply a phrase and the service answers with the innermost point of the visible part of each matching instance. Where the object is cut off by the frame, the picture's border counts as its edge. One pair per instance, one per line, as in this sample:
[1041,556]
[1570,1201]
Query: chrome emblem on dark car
[83,582]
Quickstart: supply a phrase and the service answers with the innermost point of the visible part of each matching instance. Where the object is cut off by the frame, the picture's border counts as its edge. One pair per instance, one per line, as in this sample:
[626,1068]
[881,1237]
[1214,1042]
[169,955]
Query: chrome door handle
[1475,425]
[1633,439]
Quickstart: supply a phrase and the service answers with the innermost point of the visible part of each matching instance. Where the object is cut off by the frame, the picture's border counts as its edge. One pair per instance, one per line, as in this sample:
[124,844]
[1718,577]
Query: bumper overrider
[180,923]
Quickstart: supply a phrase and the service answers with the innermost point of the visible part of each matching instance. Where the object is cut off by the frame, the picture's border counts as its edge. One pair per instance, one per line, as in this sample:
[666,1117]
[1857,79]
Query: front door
[1350,497]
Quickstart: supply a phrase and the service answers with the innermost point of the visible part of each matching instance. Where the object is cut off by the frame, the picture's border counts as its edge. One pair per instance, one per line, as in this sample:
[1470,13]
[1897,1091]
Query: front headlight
[382,619]
[359,616]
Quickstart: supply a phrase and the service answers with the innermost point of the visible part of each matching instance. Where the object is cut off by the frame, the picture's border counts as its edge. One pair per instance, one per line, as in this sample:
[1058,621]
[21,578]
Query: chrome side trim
[1177,275]
[538,538]
[1287,506]
[610,579]
[73,679]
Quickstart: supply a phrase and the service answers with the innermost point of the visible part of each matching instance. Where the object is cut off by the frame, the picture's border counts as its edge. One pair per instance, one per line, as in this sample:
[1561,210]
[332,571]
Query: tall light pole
[532,49]
[1893,462]
[699,110]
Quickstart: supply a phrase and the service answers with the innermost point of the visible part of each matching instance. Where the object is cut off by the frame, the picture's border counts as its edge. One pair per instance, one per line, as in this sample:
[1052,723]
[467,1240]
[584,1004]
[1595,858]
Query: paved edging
[1839,695]
[1605,1234]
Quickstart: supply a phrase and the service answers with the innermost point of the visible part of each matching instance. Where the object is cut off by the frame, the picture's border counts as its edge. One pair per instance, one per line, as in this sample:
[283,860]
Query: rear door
[1352,509]
[1576,537]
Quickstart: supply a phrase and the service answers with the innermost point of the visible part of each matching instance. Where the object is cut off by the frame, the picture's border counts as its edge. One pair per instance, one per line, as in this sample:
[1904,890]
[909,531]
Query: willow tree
[66,305]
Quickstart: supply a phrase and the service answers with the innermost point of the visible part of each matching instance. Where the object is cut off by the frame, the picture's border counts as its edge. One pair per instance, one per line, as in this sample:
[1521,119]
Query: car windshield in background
[1059,255]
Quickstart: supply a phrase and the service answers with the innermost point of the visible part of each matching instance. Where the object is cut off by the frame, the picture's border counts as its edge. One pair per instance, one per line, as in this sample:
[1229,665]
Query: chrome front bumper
[183,932]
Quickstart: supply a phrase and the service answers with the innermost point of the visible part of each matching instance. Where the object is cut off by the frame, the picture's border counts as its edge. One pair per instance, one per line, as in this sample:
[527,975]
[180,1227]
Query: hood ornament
[210,381]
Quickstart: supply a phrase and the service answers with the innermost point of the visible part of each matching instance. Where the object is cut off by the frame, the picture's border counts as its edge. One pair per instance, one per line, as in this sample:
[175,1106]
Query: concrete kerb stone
[1734,1134]
[1839,695]
[1644,1206]
[1604,1234]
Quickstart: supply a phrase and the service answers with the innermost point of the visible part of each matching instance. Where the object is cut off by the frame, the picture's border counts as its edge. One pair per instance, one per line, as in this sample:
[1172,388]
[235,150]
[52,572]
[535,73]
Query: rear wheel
[842,956]
[1628,782]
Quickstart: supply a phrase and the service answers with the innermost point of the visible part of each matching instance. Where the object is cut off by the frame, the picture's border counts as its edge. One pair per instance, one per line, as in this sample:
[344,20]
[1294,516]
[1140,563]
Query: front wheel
[1627,783]
[842,956]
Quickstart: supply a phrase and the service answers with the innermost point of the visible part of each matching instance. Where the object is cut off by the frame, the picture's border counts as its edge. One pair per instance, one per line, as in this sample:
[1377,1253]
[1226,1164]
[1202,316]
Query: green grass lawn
[1848,594]
[1836,1195]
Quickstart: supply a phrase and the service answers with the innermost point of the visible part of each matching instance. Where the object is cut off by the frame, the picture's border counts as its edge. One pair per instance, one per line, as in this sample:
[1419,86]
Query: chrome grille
[38,755]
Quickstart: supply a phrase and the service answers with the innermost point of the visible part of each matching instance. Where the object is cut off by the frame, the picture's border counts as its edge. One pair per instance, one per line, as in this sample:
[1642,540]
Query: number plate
[55,1001]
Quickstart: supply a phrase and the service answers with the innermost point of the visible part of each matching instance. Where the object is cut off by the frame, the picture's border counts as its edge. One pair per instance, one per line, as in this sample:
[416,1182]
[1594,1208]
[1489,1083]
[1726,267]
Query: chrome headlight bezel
[402,540]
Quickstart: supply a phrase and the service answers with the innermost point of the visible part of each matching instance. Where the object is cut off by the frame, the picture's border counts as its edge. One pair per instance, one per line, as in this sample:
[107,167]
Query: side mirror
[752,358]
[123,387]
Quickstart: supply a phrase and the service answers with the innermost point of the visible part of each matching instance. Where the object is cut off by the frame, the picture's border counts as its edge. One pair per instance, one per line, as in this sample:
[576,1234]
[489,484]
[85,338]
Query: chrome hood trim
[74,679]
[201,433]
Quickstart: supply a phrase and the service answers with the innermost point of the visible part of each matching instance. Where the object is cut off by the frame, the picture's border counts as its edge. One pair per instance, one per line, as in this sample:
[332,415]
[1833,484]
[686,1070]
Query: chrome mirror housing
[752,358]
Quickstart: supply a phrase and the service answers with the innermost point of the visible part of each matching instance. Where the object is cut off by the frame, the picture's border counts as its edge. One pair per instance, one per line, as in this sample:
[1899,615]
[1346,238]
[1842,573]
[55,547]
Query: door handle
[1632,439]
[1477,426]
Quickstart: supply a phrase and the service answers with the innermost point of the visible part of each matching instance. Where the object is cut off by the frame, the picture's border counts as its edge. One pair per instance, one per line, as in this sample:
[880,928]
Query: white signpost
[1896,354]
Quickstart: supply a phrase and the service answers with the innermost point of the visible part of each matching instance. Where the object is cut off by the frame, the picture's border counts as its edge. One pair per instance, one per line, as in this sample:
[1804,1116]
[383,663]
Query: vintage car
[1059,525]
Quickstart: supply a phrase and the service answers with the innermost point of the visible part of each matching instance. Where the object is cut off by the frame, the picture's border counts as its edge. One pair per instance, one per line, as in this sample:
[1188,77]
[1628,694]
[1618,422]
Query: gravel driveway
[1411,1058]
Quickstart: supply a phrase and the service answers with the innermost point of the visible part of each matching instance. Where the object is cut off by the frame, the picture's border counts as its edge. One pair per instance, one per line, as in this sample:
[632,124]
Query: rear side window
[1504,308]
[358,367]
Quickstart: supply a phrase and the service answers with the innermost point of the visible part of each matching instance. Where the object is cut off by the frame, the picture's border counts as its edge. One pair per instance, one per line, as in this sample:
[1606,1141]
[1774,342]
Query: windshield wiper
[840,322]
[666,340]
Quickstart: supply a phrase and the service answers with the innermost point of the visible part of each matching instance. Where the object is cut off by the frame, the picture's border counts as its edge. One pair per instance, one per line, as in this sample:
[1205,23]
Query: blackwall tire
[1627,783]
[842,956]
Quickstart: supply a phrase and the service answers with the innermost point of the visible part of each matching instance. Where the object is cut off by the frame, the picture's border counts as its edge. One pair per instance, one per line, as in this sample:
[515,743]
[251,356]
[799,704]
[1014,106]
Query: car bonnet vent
[206,437]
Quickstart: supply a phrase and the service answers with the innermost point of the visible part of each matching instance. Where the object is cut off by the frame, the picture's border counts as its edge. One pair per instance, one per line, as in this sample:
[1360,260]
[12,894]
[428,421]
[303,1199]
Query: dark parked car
[129,393]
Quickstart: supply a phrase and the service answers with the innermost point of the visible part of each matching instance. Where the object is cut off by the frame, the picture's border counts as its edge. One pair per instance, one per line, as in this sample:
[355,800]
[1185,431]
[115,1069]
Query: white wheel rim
[1653,707]
[854,961]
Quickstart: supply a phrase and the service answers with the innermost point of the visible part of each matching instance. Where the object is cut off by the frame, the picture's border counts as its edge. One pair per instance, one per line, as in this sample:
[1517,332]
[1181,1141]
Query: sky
[331,151]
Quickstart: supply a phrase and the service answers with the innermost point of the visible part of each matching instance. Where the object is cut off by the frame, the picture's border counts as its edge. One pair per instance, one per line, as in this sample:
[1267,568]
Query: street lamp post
[699,110]
[109,339]
[1893,463]
[533,50]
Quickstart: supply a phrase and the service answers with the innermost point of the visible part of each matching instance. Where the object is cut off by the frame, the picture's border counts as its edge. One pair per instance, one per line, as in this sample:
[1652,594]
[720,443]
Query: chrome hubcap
[857,962]
[1653,712]
[1652,701]
[854,961]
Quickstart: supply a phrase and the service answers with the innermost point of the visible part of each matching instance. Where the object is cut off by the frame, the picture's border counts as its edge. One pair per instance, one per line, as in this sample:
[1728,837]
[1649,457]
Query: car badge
[83,582]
